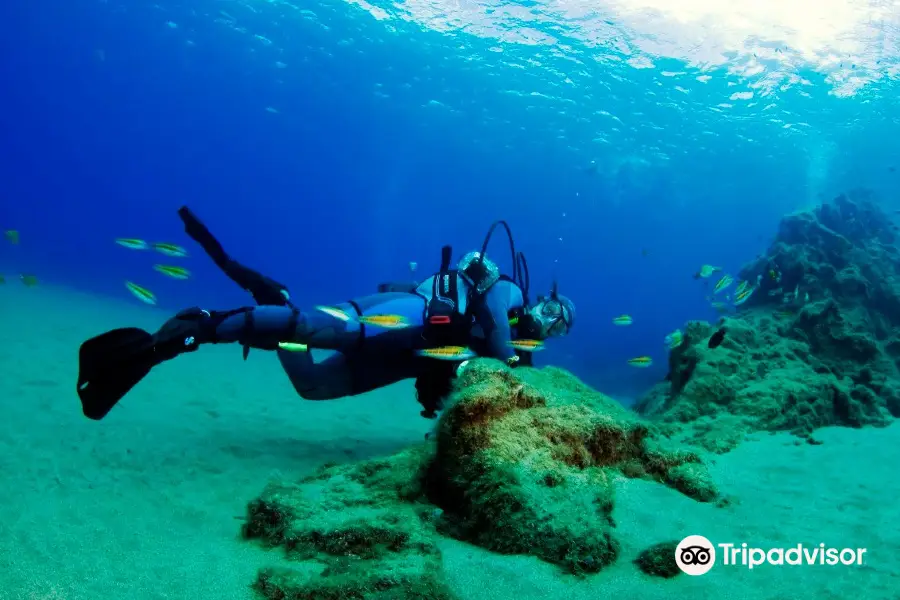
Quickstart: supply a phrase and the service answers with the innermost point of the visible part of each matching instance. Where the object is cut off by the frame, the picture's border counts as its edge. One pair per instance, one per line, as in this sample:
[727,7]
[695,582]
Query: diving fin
[109,365]
[265,290]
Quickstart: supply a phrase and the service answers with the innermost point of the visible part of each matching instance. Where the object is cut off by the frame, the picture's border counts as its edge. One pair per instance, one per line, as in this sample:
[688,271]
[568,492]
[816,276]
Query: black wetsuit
[369,357]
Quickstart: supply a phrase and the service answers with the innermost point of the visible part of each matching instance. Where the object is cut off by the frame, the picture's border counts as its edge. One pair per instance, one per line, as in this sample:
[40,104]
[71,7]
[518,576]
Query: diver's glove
[461,367]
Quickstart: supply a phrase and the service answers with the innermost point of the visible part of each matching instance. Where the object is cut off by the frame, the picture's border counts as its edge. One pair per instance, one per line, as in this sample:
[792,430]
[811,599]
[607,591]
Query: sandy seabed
[147,503]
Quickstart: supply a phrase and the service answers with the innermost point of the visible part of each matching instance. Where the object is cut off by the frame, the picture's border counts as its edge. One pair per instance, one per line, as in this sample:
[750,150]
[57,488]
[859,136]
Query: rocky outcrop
[522,462]
[817,344]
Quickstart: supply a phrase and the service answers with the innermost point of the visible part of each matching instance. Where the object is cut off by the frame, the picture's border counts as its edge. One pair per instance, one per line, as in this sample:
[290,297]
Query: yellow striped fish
[706,271]
[12,236]
[674,339]
[743,296]
[132,243]
[448,353]
[173,272]
[623,320]
[29,280]
[142,294]
[385,321]
[170,249]
[640,361]
[526,345]
[723,283]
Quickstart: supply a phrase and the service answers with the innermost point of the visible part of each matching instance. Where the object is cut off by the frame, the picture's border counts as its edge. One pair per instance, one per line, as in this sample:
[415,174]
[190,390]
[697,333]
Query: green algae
[659,560]
[790,362]
[351,532]
[526,462]
[522,462]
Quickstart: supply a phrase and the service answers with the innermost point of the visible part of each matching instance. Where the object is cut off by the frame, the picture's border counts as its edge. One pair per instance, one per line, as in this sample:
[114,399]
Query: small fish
[721,307]
[706,271]
[742,286]
[334,312]
[173,272]
[29,280]
[526,345]
[743,296]
[2,279]
[453,353]
[640,361]
[806,297]
[723,284]
[716,338]
[292,347]
[385,321]
[132,243]
[674,339]
[623,320]
[784,314]
[776,292]
[797,291]
[12,235]
[413,266]
[142,294]
[170,249]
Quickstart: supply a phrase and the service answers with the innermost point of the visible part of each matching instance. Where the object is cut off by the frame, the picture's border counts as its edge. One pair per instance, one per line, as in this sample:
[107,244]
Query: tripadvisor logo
[696,555]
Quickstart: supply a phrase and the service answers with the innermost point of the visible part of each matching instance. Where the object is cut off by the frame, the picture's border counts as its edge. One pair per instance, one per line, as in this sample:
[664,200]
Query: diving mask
[554,318]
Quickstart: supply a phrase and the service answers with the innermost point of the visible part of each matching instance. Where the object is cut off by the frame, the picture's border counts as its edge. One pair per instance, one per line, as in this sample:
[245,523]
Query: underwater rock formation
[817,344]
[522,462]
[526,461]
[659,560]
[351,532]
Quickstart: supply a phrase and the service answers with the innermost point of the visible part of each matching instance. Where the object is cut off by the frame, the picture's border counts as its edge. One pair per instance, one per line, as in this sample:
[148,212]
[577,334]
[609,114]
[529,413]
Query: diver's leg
[264,327]
[326,380]
[264,290]
[341,375]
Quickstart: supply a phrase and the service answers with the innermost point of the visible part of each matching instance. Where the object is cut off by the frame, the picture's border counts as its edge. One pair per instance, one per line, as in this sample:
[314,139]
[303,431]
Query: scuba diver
[424,331]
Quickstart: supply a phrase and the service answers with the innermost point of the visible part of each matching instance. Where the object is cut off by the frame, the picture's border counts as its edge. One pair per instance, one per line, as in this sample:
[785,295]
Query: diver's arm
[492,313]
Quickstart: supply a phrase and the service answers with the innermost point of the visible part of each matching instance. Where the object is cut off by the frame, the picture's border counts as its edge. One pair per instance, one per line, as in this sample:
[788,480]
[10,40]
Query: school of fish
[180,273]
[720,301]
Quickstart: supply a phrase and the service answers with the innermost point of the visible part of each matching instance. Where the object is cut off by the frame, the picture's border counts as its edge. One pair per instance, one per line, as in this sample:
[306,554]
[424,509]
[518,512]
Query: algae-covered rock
[659,560]
[526,461]
[523,462]
[351,532]
[815,345]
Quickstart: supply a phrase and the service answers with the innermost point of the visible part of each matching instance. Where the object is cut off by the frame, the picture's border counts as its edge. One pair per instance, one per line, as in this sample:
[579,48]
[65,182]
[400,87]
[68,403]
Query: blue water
[387,139]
